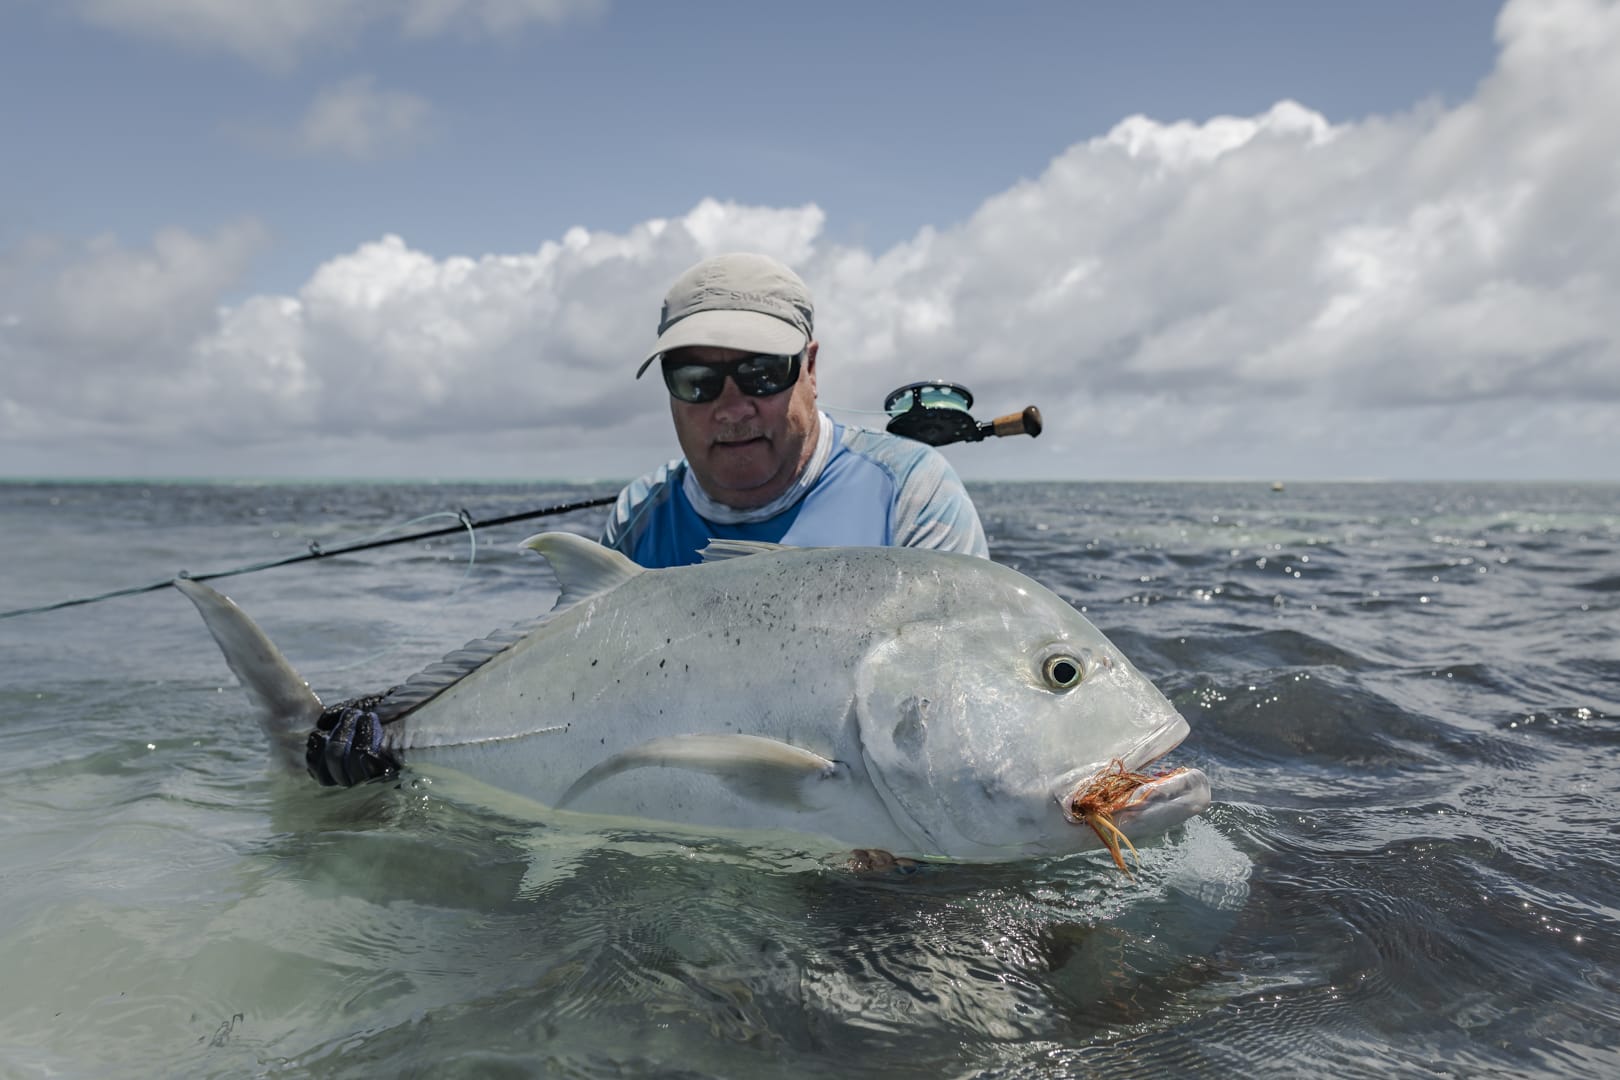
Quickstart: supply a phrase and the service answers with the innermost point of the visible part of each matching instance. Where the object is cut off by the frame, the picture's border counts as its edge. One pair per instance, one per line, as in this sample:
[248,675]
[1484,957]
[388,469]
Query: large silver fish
[919,703]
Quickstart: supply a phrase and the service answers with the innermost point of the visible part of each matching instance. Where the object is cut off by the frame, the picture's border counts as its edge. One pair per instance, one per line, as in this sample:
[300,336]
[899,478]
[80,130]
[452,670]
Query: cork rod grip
[1027,422]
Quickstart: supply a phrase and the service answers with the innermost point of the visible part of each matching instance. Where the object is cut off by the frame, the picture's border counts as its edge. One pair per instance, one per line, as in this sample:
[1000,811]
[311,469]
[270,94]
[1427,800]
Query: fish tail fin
[287,707]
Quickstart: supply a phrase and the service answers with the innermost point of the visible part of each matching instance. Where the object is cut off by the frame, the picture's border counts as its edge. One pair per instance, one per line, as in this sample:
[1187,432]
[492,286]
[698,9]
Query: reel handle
[1027,422]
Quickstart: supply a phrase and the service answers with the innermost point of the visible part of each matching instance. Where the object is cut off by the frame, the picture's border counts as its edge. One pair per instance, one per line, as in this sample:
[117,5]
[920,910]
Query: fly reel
[936,413]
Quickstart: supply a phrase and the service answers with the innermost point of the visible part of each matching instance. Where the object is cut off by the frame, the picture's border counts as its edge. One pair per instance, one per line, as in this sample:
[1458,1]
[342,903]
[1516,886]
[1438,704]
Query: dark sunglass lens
[694,383]
[764,374]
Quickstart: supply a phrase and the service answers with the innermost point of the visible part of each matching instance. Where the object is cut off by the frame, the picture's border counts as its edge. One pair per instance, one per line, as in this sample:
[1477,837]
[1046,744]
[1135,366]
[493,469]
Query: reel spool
[936,413]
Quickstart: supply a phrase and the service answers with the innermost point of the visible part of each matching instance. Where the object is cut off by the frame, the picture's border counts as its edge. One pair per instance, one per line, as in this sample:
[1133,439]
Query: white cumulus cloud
[93,339]
[1427,293]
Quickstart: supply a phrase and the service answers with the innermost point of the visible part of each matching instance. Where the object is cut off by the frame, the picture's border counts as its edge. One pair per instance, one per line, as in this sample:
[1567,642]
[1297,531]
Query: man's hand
[346,747]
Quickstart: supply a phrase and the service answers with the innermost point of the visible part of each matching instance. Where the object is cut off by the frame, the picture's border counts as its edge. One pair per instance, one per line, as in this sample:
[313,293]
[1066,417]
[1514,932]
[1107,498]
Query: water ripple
[1405,696]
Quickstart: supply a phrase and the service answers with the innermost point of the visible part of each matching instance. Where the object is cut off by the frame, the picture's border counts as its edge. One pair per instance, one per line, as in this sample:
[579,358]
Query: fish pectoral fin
[766,770]
[583,567]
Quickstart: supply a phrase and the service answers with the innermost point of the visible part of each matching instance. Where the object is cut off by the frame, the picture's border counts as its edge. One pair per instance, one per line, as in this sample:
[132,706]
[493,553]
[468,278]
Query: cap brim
[748,331]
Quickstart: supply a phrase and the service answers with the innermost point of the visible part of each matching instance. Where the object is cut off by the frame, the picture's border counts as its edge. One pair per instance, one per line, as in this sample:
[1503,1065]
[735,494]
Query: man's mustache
[742,434]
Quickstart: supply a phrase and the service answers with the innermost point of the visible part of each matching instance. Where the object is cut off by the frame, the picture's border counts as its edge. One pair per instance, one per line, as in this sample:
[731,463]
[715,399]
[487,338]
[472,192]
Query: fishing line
[852,409]
[933,412]
[464,520]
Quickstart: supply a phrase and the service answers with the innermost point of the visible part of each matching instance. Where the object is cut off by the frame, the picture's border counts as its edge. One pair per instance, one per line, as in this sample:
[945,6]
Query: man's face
[745,451]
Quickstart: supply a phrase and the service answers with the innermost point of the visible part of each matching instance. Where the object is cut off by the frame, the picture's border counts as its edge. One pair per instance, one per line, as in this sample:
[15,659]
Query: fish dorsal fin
[583,567]
[719,550]
[451,668]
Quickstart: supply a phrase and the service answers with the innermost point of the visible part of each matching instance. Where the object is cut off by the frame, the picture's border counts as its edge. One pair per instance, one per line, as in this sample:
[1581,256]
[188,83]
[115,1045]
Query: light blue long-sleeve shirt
[874,489]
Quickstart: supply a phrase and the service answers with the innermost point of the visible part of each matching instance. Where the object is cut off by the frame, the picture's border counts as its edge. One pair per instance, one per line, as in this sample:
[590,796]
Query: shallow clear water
[1405,696]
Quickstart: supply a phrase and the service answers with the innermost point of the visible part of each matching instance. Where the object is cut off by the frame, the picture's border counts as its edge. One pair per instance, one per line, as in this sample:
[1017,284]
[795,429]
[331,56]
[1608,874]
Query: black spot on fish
[661,663]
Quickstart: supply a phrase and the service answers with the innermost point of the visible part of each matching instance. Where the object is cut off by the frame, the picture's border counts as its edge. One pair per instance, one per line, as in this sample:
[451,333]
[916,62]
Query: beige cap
[736,301]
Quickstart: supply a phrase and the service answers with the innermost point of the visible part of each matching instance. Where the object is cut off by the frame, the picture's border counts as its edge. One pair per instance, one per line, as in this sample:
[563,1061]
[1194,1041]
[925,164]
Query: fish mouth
[1135,797]
[1133,759]
[1117,799]
[1126,794]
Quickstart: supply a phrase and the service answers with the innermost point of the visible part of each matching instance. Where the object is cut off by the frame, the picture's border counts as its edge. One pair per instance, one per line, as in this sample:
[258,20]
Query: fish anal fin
[765,770]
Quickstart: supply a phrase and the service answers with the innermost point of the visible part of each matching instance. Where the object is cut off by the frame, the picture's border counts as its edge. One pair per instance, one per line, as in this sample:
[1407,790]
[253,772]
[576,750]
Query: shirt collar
[710,510]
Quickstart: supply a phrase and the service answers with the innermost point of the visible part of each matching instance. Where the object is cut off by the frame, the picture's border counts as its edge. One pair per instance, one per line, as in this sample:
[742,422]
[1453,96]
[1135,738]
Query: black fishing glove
[346,747]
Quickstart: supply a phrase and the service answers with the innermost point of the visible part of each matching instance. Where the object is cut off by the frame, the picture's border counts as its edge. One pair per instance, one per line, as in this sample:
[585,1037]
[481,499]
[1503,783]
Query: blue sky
[334,238]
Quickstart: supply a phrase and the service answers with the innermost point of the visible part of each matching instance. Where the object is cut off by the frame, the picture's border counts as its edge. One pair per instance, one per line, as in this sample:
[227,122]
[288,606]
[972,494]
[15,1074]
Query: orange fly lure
[1097,802]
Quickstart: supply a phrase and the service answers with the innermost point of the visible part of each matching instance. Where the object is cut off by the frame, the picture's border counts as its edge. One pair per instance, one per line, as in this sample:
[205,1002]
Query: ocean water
[1406,697]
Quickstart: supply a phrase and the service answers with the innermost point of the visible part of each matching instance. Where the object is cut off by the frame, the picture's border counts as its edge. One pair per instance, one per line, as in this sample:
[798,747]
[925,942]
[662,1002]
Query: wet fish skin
[885,698]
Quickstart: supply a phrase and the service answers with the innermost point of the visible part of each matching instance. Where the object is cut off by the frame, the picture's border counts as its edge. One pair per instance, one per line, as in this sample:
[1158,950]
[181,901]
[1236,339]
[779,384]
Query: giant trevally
[913,702]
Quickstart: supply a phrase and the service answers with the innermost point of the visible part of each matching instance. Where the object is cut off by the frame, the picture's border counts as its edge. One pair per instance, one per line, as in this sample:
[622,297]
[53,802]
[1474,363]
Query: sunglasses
[760,375]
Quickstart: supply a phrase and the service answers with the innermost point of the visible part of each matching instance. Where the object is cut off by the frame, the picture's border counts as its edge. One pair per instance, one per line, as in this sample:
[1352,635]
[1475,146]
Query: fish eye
[1063,672]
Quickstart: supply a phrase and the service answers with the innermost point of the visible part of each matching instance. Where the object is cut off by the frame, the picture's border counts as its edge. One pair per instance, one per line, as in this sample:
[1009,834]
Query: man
[737,351]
